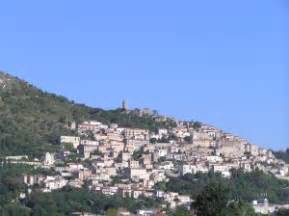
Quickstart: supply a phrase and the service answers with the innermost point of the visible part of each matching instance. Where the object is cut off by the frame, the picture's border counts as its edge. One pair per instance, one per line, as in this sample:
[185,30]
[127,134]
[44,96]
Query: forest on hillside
[31,120]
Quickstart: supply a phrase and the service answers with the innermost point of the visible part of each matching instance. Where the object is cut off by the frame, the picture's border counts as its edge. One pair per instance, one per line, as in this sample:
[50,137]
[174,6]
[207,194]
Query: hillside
[283,155]
[32,120]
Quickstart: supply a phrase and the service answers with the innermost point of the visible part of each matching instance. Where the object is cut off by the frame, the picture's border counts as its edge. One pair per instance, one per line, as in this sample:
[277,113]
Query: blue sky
[222,62]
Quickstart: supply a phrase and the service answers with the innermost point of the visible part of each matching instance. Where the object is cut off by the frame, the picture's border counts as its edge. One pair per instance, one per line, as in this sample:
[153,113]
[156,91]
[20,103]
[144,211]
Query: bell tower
[124,105]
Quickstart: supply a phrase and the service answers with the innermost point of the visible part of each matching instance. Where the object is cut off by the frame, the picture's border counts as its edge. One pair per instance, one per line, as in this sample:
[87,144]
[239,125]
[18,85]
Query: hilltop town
[130,162]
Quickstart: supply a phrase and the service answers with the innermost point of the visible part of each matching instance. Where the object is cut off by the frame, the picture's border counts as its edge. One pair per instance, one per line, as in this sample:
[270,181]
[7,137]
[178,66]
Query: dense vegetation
[211,192]
[32,120]
[11,180]
[283,155]
[61,203]
[56,203]
[215,200]
[68,201]
[282,212]
[247,186]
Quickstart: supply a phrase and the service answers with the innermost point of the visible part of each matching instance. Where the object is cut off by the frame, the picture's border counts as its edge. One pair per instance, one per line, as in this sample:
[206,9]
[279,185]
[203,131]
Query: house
[160,194]
[133,164]
[136,134]
[84,174]
[116,146]
[93,126]
[246,166]
[158,176]
[183,200]
[148,212]
[252,149]
[171,198]
[223,169]
[75,141]
[31,180]
[161,152]
[146,159]
[89,142]
[263,207]
[54,183]
[82,214]
[74,167]
[48,159]
[108,162]
[166,165]
[111,171]
[187,169]
[138,174]
[17,158]
[149,148]
[163,131]
[129,146]
[76,183]
[88,148]
[137,193]
[283,171]
[194,168]
[123,212]
[126,192]
[110,190]
[214,159]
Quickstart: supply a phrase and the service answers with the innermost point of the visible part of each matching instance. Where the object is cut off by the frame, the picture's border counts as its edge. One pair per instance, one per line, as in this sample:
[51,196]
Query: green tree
[32,120]
[69,147]
[181,211]
[138,154]
[197,125]
[212,200]
[238,208]
[283,155]
[15,209]
[161,186]
[111,212]
[244,185]
[188,139]
[282,212]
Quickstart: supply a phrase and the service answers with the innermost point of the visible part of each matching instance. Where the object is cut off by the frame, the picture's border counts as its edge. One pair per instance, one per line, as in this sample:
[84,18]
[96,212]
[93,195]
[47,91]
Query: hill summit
[32,120]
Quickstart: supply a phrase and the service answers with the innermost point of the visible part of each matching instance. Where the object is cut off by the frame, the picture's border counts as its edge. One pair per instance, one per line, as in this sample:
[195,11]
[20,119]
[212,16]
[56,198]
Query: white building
[167,165]
[263,208]
[48,159]
[139,174]
[75,141]
[192,168]
[54,183]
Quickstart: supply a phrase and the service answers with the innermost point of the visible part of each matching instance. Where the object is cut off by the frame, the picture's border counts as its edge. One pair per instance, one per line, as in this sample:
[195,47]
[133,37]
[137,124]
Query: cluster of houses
[130,161]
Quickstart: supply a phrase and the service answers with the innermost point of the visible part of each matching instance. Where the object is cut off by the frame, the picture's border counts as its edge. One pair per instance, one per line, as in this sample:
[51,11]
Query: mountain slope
[32,120]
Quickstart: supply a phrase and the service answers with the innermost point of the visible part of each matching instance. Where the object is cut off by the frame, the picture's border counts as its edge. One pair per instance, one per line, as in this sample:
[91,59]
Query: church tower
[124,105]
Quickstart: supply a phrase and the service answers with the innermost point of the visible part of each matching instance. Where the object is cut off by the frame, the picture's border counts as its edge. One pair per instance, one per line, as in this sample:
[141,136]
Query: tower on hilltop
[124,105]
